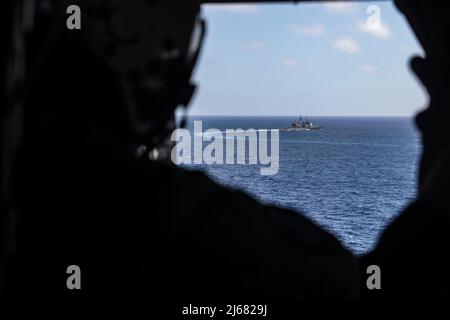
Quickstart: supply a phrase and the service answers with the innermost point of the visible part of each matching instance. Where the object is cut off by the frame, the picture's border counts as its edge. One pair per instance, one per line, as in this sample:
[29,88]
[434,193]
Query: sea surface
[352,177]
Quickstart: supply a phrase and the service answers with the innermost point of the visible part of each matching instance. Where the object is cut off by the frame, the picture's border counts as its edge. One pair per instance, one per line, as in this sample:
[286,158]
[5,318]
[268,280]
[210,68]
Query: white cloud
[381,30]
[290,62]
[347,45]
[369,68]
[242,9]
[341,7]
[254,46]
[314,30]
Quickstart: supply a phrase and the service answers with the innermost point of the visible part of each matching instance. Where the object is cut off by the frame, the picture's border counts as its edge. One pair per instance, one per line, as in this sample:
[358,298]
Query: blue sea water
[353,177]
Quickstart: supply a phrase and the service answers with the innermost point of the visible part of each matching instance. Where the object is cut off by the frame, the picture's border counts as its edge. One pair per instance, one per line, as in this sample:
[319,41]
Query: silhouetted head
[429,20]
[129,66]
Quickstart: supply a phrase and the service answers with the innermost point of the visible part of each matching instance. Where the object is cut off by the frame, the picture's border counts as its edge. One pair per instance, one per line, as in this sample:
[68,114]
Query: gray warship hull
[302,129]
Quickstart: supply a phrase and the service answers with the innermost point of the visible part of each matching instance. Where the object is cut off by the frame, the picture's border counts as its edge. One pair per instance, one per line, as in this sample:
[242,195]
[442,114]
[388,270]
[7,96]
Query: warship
[302,125]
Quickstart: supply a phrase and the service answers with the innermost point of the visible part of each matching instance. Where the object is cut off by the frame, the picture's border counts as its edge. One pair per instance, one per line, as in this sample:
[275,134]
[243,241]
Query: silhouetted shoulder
[239,241]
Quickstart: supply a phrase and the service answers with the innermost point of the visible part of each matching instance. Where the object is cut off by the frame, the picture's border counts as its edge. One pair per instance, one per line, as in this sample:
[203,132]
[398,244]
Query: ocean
[352,177]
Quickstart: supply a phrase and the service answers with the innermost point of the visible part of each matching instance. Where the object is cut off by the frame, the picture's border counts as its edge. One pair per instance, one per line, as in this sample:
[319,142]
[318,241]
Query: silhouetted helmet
[151,47]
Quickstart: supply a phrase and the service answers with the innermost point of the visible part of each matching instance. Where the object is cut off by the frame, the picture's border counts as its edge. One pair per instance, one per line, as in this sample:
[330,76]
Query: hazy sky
[313,59]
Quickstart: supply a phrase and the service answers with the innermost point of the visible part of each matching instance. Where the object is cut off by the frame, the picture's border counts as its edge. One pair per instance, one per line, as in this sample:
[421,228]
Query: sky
[312,59]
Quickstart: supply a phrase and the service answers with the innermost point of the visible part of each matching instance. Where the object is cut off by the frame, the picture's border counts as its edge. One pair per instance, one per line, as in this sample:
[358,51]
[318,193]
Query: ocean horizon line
[295,116]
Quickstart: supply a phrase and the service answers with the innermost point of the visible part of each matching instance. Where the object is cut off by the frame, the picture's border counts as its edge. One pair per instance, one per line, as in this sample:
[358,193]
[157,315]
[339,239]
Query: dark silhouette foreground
[146,228]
